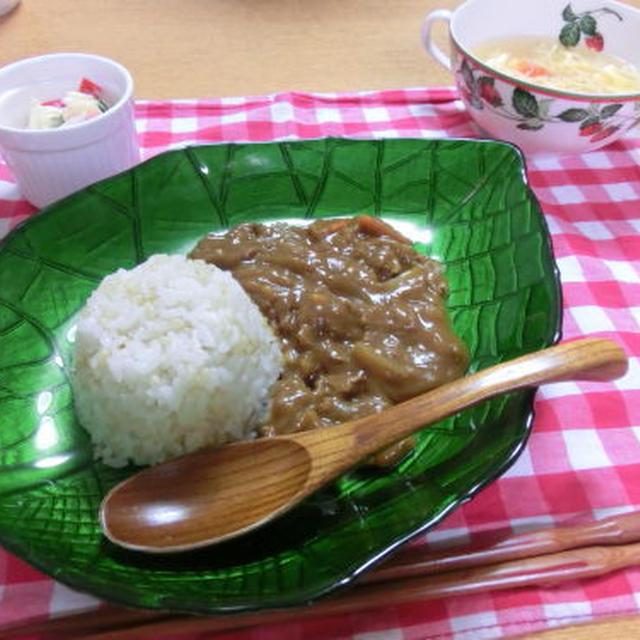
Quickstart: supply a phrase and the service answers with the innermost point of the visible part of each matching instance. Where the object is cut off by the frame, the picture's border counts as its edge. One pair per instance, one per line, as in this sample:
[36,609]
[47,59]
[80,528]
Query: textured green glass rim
[71,580]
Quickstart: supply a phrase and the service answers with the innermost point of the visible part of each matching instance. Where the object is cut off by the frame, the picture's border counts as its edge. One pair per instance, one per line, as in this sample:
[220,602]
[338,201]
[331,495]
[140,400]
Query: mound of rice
[171,356]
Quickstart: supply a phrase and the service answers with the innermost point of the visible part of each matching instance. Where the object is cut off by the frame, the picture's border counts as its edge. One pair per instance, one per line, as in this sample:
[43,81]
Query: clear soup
[546,62]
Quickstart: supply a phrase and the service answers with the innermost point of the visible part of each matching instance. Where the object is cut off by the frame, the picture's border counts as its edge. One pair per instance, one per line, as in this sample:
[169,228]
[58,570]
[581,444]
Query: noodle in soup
[546,62]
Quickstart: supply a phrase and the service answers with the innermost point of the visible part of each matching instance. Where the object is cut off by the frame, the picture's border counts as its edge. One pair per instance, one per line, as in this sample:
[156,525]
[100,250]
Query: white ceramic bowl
[535,118]
[51,163]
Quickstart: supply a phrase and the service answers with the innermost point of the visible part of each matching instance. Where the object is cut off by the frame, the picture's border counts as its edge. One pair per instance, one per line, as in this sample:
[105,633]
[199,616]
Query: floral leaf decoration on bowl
[593,120]
[532,113]
[584,24]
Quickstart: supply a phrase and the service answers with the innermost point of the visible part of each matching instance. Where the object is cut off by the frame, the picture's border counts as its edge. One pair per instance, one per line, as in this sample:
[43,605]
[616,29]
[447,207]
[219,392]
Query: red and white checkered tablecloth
[583,459]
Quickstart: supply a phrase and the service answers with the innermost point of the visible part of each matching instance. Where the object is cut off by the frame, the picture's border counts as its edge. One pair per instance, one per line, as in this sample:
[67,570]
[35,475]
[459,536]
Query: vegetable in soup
[546,62]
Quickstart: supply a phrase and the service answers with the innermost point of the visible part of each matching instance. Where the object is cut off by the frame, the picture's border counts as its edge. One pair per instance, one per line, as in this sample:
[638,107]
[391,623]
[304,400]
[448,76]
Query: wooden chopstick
[538,558]
[410,561]
[548,569]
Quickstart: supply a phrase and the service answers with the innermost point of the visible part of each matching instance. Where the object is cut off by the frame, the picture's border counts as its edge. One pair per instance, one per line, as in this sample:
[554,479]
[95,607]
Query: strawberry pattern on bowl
[516,106]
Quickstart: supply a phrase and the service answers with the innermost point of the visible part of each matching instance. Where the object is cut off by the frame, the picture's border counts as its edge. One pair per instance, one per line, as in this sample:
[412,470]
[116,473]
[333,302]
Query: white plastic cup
[49,164]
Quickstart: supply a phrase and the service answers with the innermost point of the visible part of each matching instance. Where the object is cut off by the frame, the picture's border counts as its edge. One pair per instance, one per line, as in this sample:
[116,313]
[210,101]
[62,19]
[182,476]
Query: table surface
[230,48]
[207,48]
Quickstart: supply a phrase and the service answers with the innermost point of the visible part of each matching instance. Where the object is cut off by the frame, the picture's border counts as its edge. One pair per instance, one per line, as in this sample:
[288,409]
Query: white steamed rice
[171,356]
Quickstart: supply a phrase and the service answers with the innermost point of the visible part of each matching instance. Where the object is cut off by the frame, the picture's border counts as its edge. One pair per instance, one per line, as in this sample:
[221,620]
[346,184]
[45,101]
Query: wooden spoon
[217,494]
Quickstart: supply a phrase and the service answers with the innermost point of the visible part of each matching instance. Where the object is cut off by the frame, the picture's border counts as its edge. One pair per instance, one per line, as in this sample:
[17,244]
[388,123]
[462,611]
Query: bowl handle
[442,15]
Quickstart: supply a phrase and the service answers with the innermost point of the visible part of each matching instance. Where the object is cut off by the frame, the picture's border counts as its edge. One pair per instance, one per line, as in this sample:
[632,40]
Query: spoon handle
[343,446]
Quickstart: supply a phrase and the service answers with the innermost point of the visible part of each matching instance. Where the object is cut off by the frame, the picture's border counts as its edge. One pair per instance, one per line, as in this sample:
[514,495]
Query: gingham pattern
[583,459]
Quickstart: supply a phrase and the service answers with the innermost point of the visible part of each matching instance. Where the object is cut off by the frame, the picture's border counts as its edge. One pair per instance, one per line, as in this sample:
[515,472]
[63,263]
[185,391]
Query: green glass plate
[465,202]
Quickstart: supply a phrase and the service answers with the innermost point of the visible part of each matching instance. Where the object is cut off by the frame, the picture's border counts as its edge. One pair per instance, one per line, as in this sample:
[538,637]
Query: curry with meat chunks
[360,315]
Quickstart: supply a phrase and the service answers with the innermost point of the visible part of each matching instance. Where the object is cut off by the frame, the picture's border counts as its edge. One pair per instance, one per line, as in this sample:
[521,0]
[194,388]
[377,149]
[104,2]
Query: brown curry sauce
[359,313]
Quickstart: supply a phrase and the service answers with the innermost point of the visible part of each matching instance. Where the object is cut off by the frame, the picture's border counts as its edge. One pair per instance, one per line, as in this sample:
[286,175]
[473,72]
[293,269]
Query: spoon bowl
[155,499]
[216,494]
